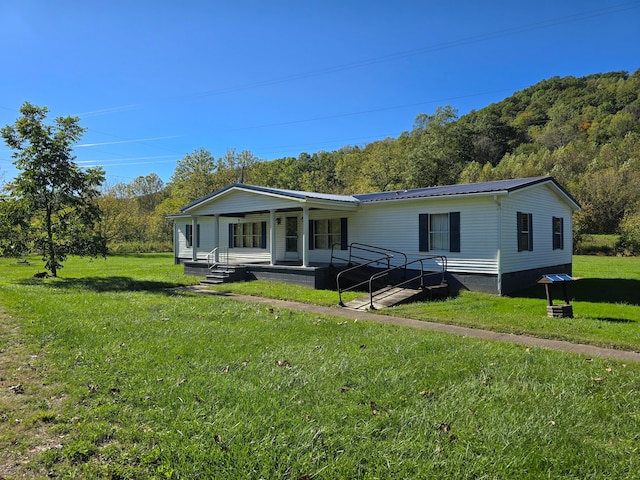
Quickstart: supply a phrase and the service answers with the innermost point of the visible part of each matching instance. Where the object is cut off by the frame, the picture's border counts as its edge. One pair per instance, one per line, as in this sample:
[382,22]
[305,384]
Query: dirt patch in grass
[27,405]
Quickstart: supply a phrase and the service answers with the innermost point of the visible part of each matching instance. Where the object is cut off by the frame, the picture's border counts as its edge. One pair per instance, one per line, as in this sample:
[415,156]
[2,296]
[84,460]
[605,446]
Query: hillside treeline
[583,131]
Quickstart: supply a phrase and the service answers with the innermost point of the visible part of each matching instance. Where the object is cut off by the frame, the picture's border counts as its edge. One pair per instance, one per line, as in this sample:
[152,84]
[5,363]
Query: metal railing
[363,247]
[439,260]
[220,252]
[421,276]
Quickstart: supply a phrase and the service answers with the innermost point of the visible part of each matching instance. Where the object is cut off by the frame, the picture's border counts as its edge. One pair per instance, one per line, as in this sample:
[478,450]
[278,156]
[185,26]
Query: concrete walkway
[587,350]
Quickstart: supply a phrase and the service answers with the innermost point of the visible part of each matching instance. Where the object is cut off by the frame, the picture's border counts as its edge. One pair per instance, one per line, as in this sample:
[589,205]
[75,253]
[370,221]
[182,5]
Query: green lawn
[123,376]
[606,303]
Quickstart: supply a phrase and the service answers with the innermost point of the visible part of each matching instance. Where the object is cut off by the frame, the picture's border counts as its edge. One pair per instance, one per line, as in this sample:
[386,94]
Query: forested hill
[583,131]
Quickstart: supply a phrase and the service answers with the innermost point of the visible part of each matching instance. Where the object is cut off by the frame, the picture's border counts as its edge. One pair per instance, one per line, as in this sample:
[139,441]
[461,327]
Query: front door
[291,237]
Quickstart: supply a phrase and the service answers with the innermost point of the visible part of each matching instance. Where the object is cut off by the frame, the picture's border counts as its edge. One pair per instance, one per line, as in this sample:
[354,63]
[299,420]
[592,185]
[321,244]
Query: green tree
[148,190]
[14,225]
[384,166]
[120,215]
[629,242]
[193,176]
[441,148]
[56,197]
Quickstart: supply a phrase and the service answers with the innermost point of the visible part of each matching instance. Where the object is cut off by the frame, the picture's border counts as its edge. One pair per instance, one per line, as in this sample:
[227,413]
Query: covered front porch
[248,225]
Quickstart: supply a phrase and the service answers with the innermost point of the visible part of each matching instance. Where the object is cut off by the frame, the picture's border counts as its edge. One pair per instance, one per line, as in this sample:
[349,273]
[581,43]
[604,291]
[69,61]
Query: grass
[145,381]
[595,244]
[285,291]
[605,302]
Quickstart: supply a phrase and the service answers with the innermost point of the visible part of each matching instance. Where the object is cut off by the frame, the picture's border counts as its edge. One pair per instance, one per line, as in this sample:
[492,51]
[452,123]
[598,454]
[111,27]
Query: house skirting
[313,276]
[512,282]
[323,276]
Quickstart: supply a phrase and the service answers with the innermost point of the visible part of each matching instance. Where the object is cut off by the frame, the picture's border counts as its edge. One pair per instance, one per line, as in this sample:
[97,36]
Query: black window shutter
[561,233]
[519,221]
[198,235]
[454,231]
[231,235]
[423,232]
[187,234]
[263,235]
[344,234]
[530,232]
[312,233]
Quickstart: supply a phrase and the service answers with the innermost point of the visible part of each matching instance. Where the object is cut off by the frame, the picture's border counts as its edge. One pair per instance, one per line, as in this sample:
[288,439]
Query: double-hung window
[558,233]
[188,234]
[525,231]
[439,232]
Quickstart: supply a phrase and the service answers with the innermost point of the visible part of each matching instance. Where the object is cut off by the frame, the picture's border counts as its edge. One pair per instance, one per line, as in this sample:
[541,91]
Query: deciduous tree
[56,198]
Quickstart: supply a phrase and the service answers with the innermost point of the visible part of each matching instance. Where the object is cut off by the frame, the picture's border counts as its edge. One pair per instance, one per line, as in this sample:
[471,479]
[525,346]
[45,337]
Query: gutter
[502,193]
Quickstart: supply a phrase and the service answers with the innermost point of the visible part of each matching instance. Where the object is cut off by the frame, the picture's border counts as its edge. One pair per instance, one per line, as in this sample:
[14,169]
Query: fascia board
[436,198]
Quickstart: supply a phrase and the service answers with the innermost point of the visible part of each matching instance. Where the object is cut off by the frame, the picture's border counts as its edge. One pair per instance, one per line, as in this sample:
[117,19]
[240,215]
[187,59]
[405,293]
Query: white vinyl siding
[395,225]
[237,202]
[543,204]
[487,224]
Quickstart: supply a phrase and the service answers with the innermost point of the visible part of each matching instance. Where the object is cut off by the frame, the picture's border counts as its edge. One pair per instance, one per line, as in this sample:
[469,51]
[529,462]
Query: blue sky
[154,80]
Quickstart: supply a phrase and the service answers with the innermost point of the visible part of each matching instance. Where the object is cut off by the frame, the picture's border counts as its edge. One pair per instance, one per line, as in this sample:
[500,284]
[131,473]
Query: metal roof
[296,194]
[448,190]
[497,186]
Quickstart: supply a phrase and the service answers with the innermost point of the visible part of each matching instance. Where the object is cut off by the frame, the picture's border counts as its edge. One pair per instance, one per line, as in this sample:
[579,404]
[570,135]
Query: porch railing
[223,257]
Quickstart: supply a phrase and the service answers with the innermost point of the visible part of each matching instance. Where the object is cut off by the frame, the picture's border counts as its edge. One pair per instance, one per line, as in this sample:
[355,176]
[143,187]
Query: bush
[592,244]
[139,247]
[629,243]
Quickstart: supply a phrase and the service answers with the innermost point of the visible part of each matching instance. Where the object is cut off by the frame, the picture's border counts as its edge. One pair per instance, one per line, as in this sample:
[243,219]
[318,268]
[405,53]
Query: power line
[429,48]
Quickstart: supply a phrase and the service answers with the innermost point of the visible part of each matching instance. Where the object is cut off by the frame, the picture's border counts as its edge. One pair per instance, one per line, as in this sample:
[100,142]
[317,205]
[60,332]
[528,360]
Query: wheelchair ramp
[388,297]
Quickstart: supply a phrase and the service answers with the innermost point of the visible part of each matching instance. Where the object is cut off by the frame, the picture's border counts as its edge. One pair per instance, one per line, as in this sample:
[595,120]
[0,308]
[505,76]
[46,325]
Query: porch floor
[317,275]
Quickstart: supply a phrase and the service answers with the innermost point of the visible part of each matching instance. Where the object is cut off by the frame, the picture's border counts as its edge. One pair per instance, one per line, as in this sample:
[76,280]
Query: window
[558,233]
[188,233]
[439,231]
[248,235]
[525,231]
[325,233]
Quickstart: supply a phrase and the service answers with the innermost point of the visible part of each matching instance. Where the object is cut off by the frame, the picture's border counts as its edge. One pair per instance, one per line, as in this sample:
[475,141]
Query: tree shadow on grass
[107,284]
[596,290]
[611,320]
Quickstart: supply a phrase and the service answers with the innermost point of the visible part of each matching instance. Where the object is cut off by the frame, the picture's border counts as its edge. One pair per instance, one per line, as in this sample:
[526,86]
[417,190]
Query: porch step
[388,297]
[219,275]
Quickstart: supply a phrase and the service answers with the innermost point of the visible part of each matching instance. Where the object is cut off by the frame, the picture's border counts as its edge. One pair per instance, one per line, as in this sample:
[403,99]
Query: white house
[497,236]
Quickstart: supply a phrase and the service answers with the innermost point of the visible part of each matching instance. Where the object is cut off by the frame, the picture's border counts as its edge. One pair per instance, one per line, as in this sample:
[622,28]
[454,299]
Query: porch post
[216,237]
[176,243]
[272,237]
[305,236]
[194,238]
